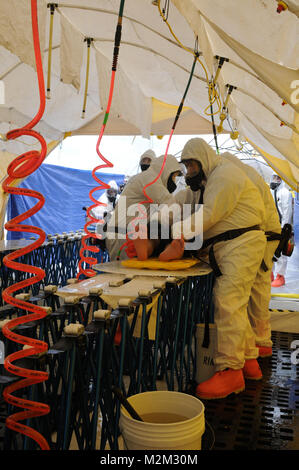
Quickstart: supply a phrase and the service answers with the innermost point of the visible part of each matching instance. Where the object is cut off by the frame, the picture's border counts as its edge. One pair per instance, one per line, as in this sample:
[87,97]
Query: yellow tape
[291,296]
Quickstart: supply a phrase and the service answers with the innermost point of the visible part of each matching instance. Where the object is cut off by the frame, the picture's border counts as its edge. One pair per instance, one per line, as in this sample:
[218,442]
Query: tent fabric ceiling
[261,45]
[189,123]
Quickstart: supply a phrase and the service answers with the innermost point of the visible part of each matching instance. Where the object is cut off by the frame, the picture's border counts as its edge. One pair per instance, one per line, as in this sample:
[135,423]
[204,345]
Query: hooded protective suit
[128,207]
[230,201]
[283,202]
[148,154]
[258,305]
[102,210]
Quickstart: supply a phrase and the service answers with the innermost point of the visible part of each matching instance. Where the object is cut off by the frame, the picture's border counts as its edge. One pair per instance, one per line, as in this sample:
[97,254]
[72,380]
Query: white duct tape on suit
[205,356]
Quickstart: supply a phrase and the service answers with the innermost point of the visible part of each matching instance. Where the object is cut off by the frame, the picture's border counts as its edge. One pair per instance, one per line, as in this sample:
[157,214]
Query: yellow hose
[86,77]
[290,296]
[212,92]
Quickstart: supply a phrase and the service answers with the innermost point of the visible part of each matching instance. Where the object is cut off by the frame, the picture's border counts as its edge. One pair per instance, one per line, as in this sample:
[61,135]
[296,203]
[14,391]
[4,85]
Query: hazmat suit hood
[171,166]
[198,149]
[109,192]
[113,185]
[276,182]
[148,154]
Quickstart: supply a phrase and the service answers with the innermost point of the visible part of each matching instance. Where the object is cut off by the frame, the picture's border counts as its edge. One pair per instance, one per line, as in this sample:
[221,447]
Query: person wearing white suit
[133,202]
[146,159]
[283,201]
[108,200]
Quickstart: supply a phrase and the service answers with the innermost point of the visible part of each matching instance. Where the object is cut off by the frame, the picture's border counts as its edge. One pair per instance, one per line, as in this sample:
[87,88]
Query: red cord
[22,167]
[89,272]
[129,250]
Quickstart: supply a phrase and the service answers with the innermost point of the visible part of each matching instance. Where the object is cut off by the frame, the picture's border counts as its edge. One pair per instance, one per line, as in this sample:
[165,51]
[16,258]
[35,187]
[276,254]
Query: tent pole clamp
[223,114]
[221,61]
[88,41]
[52,7]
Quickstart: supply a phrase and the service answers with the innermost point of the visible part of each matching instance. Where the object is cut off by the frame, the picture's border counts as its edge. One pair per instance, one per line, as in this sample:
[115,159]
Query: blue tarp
[66,192]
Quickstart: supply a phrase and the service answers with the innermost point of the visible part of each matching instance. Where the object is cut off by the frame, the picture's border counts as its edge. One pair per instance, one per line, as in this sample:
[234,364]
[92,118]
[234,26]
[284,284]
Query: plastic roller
[72,281]
[27,346]
[72,299]
[23,296]
[48,310]
[115,283]
[102,314]
[73,329]
[50,288]
[95,291]
[124,303]
[144,293]
[171,279]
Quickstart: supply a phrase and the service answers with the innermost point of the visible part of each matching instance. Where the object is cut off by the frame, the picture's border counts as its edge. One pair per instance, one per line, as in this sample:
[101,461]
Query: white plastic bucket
[179,435]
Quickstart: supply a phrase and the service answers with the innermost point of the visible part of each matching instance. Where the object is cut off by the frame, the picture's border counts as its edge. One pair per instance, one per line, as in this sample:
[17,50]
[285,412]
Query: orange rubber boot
[221,385]
[264,351]
[279,281]
[252,370]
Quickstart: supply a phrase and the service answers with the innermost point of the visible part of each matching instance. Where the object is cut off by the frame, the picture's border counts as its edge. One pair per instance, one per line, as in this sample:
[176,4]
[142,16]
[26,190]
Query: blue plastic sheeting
[66,192]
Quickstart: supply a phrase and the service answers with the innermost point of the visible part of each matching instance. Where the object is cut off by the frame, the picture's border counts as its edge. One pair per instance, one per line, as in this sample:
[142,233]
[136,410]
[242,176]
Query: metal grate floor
[263,417]
[266,415]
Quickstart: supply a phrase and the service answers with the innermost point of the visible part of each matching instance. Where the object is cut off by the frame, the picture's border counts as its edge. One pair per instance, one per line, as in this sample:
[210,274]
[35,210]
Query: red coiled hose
[89,272]
[21,167]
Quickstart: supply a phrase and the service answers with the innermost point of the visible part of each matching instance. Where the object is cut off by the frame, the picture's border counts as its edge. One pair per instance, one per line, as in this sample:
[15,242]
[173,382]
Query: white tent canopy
[261,46]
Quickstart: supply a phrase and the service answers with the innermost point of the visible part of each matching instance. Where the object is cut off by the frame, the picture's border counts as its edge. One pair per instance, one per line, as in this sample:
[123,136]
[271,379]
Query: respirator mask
[274,184]
[111,196]
[195,181]
[144,166]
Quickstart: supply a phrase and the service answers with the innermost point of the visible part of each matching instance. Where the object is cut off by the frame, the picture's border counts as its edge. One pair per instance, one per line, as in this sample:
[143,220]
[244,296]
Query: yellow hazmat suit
[230,201]
[258,305]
